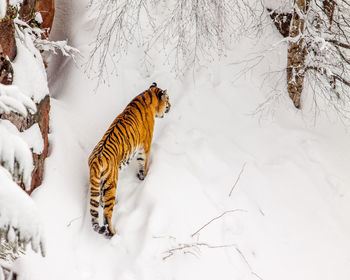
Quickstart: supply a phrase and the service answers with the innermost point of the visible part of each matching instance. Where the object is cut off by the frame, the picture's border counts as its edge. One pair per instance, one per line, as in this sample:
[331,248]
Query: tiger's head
[163,105]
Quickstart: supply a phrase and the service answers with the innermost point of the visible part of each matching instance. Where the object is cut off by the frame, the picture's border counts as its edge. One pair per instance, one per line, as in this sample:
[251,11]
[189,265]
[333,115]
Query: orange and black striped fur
[129,135]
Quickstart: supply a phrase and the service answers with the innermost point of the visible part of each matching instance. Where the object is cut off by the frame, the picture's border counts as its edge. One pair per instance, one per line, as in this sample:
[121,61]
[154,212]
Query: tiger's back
[128,136]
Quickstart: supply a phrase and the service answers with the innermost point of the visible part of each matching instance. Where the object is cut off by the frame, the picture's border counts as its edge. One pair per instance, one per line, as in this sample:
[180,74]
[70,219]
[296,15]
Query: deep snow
[291,202]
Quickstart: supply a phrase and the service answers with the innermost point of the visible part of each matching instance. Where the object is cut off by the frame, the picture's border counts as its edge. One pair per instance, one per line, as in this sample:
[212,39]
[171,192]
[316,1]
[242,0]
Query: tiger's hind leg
[94,195]
[108,193]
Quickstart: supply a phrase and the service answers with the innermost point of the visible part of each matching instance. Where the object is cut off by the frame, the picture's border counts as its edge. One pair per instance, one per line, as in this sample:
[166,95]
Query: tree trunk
[281,21]
[297,53]
[328,8]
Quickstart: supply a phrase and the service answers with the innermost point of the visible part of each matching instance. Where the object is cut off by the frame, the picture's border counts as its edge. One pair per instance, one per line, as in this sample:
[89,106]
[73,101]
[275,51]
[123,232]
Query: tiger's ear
[162,94]
[153,85]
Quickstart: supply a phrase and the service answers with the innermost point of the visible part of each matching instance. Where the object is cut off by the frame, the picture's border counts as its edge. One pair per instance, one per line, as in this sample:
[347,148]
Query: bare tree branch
[332,76]
[216,218]
[337,43]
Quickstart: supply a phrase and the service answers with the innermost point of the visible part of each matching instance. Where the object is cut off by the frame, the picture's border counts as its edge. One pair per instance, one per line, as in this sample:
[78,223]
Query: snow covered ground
[287,217]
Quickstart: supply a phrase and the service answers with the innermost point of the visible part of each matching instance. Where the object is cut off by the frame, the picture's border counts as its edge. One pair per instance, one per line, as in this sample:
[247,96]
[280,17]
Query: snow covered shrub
[19,220]
[318,50]
[15,154]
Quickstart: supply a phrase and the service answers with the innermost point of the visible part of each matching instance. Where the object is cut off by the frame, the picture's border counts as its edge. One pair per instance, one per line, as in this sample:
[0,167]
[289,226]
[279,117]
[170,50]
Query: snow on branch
[20,222]
[32,36]
[54,46]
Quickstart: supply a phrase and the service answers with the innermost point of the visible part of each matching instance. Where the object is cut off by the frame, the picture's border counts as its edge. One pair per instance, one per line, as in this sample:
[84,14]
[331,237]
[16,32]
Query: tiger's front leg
[142,159]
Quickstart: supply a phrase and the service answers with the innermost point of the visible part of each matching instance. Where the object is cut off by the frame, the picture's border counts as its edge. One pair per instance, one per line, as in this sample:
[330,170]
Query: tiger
[129,135]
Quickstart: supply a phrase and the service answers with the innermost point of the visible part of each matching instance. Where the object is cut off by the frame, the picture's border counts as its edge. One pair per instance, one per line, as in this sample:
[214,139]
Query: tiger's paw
[108,233]
[102,230]
[96,227]
[141,175]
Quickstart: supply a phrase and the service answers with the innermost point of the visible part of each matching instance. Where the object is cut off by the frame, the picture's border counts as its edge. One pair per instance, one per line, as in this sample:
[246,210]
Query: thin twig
[239,176]
[218,217]
[73,220]
[256,275]
[247,263]
[243,257]
[185,246]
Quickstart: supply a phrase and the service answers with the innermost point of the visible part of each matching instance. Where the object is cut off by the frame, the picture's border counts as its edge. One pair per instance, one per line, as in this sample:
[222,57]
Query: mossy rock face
[27,10]
[7,33]
[47,10]
[42,118]
[11,13]
[6,70]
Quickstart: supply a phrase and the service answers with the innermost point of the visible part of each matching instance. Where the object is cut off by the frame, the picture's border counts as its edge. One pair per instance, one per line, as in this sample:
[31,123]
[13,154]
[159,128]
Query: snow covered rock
[3,8]
[28,75]
[40,120]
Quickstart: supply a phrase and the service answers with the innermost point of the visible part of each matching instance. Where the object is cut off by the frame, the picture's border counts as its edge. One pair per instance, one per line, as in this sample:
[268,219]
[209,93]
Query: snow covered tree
[189,32]
[317,32]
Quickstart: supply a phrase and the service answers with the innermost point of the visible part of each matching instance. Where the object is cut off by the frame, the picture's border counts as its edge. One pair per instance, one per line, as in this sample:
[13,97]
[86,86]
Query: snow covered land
[235,190]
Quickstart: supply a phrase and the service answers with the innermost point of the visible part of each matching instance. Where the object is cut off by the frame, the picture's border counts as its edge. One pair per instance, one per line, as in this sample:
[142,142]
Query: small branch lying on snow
[186,248]
[193,248]
[239,176]
[73,220]
[218,217]
[247,263]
